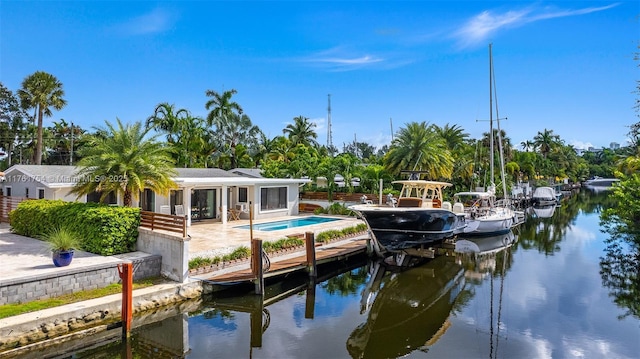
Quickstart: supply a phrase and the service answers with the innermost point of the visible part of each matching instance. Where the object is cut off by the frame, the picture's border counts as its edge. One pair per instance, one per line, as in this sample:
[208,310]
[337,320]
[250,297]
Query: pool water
[289,223]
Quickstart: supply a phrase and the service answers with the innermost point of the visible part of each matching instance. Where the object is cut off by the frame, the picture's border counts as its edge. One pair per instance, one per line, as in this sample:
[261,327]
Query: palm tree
[41,91]
[221,105]
[546,141]
[166,119]
[301,131]
[454,135]
[123,160]
[419,147]
[527,145]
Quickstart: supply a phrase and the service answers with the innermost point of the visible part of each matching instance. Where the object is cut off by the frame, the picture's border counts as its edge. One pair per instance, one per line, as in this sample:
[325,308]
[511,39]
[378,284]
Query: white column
[223,203]
[186,195]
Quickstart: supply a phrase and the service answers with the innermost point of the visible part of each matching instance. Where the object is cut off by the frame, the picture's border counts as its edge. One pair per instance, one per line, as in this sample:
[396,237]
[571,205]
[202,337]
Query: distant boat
[544,196]
[600,182]
[421,218]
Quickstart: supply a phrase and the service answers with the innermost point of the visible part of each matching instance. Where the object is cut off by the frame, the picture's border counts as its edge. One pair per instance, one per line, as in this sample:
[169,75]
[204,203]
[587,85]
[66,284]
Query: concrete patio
[211,238]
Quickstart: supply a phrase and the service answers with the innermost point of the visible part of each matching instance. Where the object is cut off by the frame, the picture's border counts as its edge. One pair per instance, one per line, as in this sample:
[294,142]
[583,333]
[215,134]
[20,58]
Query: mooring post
[310,245]
[125,270]
[257,325]
[256,265]
[310,303]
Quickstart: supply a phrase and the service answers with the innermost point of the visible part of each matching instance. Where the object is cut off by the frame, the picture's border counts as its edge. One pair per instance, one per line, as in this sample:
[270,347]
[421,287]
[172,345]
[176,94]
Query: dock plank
[324,254]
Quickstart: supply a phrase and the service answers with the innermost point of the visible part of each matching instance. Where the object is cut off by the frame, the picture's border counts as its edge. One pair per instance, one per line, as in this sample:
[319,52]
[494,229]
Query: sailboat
[485,215]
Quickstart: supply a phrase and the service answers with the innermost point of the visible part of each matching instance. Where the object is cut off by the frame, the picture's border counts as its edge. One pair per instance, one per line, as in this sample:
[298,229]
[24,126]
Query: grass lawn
[8,310]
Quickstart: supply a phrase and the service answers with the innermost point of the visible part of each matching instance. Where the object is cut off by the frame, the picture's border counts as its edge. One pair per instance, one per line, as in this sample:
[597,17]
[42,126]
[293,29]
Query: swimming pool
[289,223]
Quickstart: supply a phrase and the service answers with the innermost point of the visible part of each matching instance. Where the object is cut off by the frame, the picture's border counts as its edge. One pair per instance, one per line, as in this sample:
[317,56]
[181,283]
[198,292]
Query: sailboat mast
[491,116]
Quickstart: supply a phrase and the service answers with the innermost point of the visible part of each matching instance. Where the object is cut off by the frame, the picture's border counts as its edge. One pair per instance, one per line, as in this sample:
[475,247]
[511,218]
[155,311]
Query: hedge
[106,230]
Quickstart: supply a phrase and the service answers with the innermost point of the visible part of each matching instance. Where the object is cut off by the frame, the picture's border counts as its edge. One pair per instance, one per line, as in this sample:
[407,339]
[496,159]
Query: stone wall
[172,248]
[56,284]
[69,280]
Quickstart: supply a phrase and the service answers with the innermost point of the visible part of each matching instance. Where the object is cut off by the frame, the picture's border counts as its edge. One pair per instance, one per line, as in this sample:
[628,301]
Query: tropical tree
[12,121]
[221,105]
[167,119]
[65,139]
[301,131]
[232,130]
[527,145]
[42,92]
[418,147]
[454,136]
[122,159]
[546,141]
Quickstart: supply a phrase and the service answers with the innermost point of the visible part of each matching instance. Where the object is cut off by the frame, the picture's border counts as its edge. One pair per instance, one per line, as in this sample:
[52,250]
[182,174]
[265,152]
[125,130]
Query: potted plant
[62,242]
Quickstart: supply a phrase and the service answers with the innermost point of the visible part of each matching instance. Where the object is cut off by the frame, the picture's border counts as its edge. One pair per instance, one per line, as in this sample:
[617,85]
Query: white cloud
[156,21]
[580,145]
[481,27]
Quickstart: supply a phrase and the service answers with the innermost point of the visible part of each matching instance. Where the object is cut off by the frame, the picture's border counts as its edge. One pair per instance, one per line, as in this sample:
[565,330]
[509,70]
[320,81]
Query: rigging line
[500,149]
[504,270]
[491,316]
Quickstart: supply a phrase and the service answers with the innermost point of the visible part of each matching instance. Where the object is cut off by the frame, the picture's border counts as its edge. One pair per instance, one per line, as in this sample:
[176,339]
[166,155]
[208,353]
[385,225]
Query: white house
[201,193]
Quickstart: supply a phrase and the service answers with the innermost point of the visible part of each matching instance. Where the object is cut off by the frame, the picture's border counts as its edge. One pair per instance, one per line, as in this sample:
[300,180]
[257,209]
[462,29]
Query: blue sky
[563,65]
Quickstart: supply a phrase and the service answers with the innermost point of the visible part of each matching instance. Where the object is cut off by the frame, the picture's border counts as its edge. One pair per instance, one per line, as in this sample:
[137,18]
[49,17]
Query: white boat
[599,184]
[544,196]
[420,220]
[484,214]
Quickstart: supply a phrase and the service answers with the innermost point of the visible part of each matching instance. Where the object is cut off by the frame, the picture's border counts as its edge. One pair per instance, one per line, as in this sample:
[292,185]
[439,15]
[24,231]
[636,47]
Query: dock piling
[310,245]
[256,265]
[125,271]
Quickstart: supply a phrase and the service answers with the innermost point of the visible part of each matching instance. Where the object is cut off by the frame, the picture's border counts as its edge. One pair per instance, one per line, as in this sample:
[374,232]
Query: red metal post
[125,270]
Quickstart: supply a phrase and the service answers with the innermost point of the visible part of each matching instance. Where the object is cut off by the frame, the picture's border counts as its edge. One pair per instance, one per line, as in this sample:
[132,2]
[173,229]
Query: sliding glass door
[203,204]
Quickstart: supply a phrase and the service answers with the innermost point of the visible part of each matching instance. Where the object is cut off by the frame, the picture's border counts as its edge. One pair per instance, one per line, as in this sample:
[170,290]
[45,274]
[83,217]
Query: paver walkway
[24,257]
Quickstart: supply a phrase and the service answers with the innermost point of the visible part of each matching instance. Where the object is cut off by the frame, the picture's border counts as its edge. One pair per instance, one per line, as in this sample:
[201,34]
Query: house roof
[54,176]
[203,173]
[248,172]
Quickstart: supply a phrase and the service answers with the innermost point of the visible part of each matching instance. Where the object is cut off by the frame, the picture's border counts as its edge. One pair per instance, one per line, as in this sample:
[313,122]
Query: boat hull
[397,229]
[500,221]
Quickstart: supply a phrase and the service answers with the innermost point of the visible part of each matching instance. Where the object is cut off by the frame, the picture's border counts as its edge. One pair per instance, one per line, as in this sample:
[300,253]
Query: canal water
[552,288]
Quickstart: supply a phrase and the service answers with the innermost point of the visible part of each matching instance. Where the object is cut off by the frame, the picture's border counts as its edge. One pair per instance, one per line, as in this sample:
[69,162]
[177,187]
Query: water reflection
[554,287]
[406,311]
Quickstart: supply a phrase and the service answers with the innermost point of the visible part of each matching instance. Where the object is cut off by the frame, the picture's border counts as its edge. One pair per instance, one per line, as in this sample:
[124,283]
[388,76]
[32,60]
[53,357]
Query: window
[147,200]
[26,192]
[175,197]
[8,191]
[273,198]
[94,197]
[242,194]
[40,193]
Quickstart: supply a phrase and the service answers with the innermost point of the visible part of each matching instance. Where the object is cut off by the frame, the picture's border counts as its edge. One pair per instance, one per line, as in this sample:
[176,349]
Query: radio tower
[329,140]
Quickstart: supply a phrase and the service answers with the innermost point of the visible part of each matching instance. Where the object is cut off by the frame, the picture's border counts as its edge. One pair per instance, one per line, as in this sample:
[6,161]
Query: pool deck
[211,238]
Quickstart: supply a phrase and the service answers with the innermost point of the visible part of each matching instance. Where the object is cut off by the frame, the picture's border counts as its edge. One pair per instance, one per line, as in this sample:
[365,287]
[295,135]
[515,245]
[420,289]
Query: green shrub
[198,262]
[339,208]
[239,253]
[319,210]
[104,230]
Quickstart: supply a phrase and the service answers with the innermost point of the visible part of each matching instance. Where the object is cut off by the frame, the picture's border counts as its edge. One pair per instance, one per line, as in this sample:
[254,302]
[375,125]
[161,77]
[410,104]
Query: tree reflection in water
[620,265]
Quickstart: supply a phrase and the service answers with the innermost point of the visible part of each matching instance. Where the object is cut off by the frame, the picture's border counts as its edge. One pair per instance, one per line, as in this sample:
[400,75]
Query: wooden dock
[298,262]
